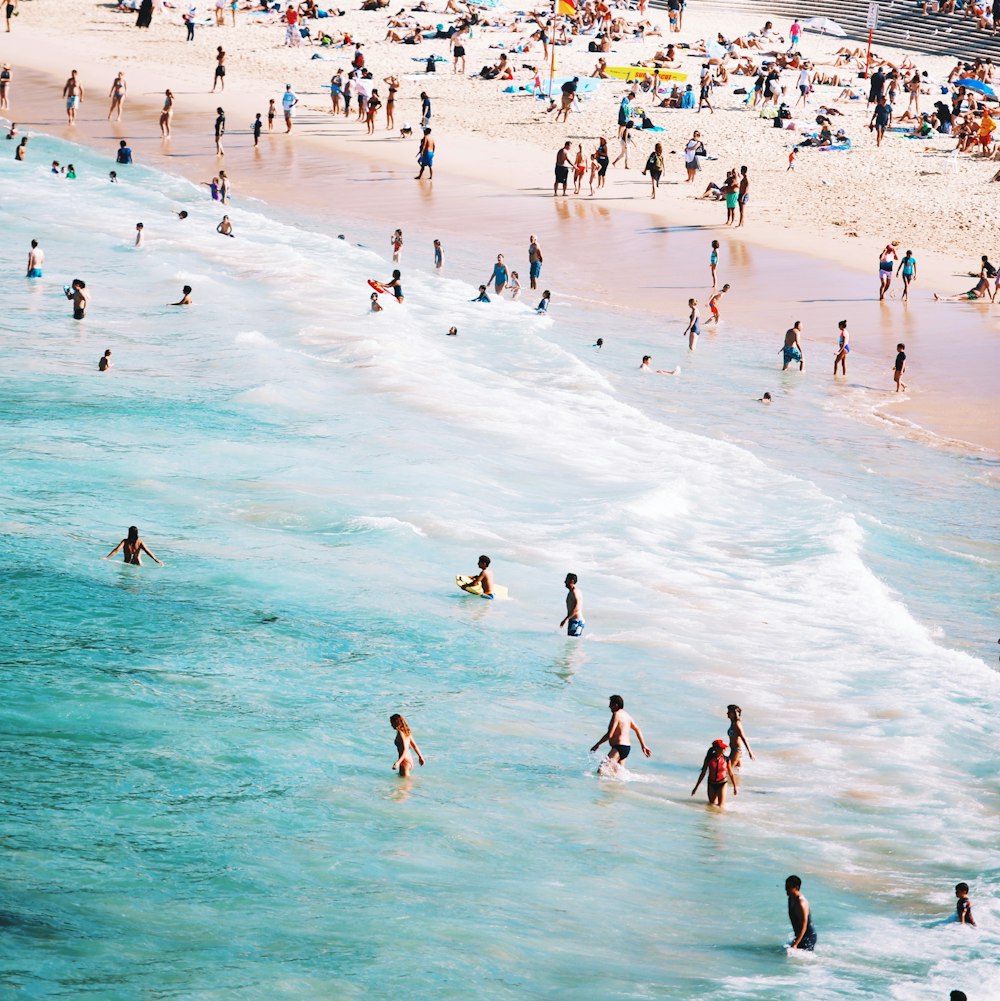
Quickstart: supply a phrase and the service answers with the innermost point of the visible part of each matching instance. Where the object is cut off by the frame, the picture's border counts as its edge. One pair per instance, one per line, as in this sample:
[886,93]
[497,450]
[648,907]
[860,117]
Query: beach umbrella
[970,84]
[824,25]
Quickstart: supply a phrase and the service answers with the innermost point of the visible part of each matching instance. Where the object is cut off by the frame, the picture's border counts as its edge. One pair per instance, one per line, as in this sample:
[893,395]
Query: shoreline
[296,173]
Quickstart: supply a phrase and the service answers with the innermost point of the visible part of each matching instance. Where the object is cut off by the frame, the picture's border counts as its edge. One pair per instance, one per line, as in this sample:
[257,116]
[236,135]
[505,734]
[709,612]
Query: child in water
[404,742]
[376,305]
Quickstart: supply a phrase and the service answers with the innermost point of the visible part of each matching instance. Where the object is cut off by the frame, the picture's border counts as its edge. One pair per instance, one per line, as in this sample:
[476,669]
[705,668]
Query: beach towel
[837,148]
[424,59]
[653,128]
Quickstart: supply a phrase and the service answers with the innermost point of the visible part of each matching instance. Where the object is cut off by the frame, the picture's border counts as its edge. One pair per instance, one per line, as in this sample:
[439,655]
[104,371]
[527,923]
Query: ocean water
[198,795]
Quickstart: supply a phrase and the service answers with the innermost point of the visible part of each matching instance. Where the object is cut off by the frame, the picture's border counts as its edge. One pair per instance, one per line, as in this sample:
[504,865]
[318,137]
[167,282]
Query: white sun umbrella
[824,25]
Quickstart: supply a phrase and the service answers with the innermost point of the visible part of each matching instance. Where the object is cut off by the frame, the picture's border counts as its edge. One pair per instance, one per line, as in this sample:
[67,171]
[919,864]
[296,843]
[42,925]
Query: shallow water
[199,796]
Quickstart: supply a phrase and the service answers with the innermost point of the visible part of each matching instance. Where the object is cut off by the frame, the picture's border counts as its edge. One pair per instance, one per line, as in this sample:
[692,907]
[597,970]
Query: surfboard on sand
[638,72]
[499,591]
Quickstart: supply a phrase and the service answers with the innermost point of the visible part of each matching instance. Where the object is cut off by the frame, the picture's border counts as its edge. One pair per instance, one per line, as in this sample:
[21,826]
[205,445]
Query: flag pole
[552,43]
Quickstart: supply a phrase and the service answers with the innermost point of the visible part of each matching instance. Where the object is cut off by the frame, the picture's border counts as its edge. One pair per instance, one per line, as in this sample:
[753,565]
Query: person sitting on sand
[133,548]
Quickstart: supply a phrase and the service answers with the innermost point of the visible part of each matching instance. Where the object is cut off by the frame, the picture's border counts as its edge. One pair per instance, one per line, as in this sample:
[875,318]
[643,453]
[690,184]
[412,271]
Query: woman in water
[720,771]
[133,548]
[736,735]
[166,114]
[693,328]
[404,743]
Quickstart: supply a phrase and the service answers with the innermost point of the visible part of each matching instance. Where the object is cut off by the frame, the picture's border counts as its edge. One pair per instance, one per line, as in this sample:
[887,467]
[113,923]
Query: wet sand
[615,251]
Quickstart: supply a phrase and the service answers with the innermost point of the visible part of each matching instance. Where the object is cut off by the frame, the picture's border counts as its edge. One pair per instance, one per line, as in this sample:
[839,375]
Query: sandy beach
[810,227]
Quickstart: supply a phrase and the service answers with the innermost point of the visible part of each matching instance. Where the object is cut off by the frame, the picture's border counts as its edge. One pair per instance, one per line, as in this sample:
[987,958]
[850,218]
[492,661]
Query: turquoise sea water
[198,795]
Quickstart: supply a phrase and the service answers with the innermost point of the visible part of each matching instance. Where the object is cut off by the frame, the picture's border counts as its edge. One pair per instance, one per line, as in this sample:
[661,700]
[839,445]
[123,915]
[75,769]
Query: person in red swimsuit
[719,773]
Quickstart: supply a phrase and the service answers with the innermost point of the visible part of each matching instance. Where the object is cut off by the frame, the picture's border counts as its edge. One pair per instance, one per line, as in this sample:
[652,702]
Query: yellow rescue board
[499,591]
[638,72]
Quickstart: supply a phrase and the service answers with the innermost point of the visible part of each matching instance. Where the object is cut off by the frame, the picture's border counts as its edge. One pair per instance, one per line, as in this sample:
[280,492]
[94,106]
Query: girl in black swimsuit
[133,547]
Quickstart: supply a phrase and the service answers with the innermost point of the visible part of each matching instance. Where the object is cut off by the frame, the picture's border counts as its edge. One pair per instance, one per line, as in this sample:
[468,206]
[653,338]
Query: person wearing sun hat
[716,764]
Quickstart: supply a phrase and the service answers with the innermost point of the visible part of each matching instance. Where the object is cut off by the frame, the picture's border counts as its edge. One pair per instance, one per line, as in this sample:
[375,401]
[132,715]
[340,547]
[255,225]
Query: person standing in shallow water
[618,736]
[800,916]
[574,608]
[719,771]
[133,547]
[736,735]
[404,744]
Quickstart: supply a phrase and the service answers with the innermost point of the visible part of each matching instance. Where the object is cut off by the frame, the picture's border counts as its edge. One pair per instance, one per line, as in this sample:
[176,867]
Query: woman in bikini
[166,114]
[579,170]
[736,736]
[720,771]
[133,548]
[404,744]
[117,95]
[390,101]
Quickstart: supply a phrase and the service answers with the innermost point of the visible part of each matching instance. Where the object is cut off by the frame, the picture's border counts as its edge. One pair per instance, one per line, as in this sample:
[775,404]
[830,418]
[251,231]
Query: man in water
[800,916]
[73,92]
[534,261]
[105,362]
[80,296]
[574,608]
[619,738]
[185,299]
[792,350]
[36,258]
[484,578]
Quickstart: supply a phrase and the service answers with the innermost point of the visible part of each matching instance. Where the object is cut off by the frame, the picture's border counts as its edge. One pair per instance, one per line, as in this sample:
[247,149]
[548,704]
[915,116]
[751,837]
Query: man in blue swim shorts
[425,156]
[792,350]
[36,258]
[574,608]
[534,261]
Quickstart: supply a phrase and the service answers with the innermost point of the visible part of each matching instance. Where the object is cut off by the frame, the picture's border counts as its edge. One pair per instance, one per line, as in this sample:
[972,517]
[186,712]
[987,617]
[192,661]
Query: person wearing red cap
[719,773]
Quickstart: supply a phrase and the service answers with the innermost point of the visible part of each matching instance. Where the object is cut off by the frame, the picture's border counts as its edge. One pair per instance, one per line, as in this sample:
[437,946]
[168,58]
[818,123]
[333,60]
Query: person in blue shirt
[543,306]
[124,152]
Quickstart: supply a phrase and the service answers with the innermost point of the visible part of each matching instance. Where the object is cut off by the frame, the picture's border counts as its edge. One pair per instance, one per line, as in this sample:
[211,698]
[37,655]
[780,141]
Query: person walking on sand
[719,771]
[843,349]
[908,269]
[117,94]
[899,368]
[562,168]
[5,87]
[73,92]
[166,114]
[534,261]
[619,738]
[219,80]
[36,259]
[691,162]
[654,167]
[885,263]
[574,608]
[744,194]
[132,549]
[713,261]
[291,18]
[735,732]
[425,156]
[713,304]
[9,11]
[693,328]
[792,349]
[484,578]
[404,744]
[288,102]
[803,933]
[881,120]
[220,131]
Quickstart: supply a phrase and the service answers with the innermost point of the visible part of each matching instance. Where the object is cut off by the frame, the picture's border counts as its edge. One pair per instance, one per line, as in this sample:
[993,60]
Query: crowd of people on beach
[759,59]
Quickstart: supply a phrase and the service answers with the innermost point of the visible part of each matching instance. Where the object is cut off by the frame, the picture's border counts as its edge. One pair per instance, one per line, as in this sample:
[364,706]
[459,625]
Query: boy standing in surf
[484,578]
[800,916]
[574,608]
[618,737]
